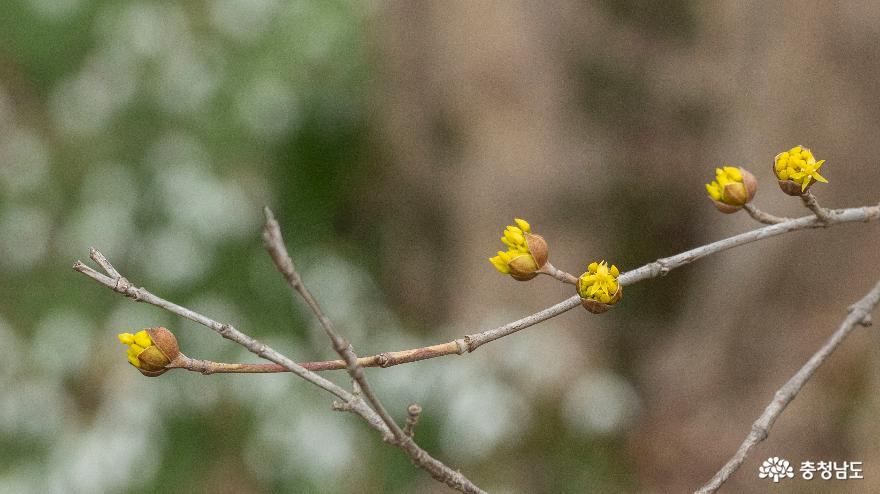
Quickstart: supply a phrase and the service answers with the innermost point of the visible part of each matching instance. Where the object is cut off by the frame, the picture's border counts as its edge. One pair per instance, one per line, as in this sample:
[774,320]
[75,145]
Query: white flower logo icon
[775,468]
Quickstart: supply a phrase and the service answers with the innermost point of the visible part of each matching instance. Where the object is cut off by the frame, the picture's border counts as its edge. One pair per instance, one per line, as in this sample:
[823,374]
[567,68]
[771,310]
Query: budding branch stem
[660,267]
[859,315]
[376,415]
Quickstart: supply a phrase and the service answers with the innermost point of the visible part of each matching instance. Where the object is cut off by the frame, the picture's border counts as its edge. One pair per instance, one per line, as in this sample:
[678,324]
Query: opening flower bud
[797,170]
[151,350]
[526,252]
[732,188]
[598,287]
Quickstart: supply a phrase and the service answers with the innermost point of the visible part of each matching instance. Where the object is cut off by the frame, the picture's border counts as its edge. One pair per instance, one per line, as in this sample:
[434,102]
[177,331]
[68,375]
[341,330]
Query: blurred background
[395,140]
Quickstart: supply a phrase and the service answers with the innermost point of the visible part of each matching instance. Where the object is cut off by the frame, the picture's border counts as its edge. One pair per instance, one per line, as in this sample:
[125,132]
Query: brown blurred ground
[600,122]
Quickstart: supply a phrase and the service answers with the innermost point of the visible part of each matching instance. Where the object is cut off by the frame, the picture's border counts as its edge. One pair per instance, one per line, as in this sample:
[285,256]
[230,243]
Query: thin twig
[104,263]
[274,243]
[208,367]
[559,274]
[762,217]
[860,314]
[810,201]
[651,270]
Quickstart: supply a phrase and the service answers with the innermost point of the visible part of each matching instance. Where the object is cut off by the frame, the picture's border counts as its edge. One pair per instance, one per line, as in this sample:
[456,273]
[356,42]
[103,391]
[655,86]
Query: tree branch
[350,402]
[762,217]
[376,416]
[860,314]
[660,267]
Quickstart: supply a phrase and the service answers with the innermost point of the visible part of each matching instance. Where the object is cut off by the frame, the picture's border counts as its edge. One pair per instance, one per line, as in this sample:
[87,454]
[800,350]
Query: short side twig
[413,411]
[762,217]
[559,274]
[860,314]
[810,201]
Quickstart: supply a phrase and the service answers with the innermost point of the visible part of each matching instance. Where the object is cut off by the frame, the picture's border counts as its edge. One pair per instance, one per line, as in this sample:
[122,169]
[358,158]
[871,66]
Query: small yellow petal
[499,264]
[614,271]
[733,173]
[820,178]
[126,338]
[714,191]
[593,267]
[134,361]
[143,339]
[805,183]
[523,224]
[515,237]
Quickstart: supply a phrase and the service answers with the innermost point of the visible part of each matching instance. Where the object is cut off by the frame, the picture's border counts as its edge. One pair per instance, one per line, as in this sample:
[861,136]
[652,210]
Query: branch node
[469,343]
[414,411]
[340,406]
[384,360]
[760,432]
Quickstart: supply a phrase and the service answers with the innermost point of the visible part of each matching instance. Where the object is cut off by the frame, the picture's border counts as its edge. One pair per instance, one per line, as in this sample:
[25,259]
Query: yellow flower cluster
[799,166]
[137,343]
[599,282]
[526,252]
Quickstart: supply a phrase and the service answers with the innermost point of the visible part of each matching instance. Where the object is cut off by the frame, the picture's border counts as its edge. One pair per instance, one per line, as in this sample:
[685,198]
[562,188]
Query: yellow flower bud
[732,188]
[797,170]
[526,252]
[151,350]
[598,287]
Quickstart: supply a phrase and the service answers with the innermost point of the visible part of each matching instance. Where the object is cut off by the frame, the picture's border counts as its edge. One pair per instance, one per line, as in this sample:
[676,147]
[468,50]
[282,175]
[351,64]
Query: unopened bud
[526,252]
[732,188]
[151,350]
